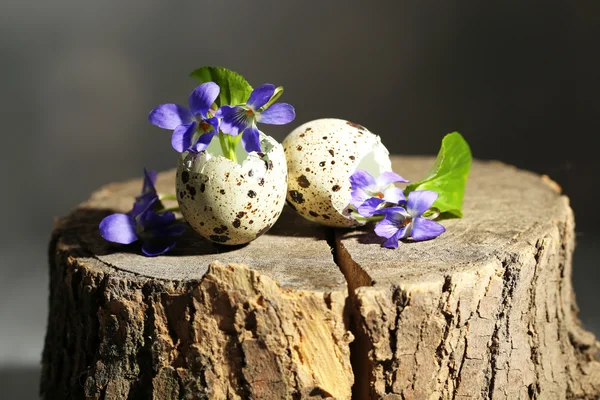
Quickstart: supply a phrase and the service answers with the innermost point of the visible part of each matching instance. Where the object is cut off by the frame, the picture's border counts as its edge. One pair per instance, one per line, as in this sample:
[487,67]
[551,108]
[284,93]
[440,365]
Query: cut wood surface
[486,311]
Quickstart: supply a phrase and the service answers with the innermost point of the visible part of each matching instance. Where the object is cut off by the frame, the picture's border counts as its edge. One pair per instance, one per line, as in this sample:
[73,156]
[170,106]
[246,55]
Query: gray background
[519,79]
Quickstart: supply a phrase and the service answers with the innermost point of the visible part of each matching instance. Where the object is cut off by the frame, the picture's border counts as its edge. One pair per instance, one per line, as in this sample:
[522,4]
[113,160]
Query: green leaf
[448,176]
[235,90]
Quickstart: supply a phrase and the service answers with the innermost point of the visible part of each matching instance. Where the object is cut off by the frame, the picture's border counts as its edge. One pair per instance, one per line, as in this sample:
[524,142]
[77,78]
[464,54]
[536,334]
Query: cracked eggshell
[321,156]
[228,202]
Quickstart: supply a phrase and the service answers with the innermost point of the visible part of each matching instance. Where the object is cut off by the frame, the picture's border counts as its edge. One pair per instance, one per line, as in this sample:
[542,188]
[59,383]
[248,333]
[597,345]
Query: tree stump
[486,311]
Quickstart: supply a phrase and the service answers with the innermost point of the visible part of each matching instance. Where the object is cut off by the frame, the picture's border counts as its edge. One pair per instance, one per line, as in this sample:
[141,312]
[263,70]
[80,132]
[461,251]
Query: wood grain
[485,311]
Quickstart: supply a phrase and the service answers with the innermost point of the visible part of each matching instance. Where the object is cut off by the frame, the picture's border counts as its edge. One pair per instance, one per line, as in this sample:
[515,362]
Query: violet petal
[149,181]
[425,229]
[170,116]
[420,201]
[389,225]
[142,203]
[387,178]
[392,242]
[358,197]
[368,208]
[260,96]
[251,139]
[234,119]
[361,179]
[153,248]
[277,114]
[203,142]
[182,137]
[394,195]
[203,97]
[119,228]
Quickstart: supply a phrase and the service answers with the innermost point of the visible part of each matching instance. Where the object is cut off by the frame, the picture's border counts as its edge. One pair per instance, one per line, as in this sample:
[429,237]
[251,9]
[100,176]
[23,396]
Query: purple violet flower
[156,230]
[243,119]
[368,193]
[148,194]
[193,129]
[399,223]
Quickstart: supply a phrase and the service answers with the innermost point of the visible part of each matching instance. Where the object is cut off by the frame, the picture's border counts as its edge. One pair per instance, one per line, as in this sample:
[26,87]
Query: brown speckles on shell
[331,151]
[314,214]
[296,196]
[303,181]
[354,125]
[299,148]
[226,195]
[191,190]
[185,177]
[219,238]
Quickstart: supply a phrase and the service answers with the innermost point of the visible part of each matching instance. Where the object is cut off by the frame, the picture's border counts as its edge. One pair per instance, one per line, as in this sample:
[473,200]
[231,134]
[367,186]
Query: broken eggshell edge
[231,202]
[321,156]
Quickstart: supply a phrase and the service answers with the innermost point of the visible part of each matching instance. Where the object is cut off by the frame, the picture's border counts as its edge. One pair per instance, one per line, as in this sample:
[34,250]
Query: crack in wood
[401,300]
[398,348]
[510,277]
[356,277]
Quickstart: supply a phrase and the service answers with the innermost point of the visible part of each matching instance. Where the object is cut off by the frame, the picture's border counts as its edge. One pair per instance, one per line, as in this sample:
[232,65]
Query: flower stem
[223,142]
[165,196]
[232,154]
[375,218]
[227,146]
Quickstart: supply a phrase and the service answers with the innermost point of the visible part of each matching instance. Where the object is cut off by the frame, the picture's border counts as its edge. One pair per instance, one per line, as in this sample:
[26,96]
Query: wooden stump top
[307,312]
[295,251]
[503,206]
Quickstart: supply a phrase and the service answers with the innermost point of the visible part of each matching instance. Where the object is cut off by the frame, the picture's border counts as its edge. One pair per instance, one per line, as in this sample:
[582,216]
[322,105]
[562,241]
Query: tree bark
[485,311]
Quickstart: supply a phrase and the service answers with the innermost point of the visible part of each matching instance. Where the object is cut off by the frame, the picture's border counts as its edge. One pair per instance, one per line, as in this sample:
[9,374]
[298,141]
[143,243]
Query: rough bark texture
[120,329]
[486,311]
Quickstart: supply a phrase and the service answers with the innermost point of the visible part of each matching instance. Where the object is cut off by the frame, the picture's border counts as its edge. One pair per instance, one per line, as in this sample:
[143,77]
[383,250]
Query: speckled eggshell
[229,203]
[321,156]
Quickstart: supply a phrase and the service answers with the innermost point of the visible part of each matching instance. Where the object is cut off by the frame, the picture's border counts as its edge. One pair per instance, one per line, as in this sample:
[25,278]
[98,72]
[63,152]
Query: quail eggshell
[321,156]
[229,202]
